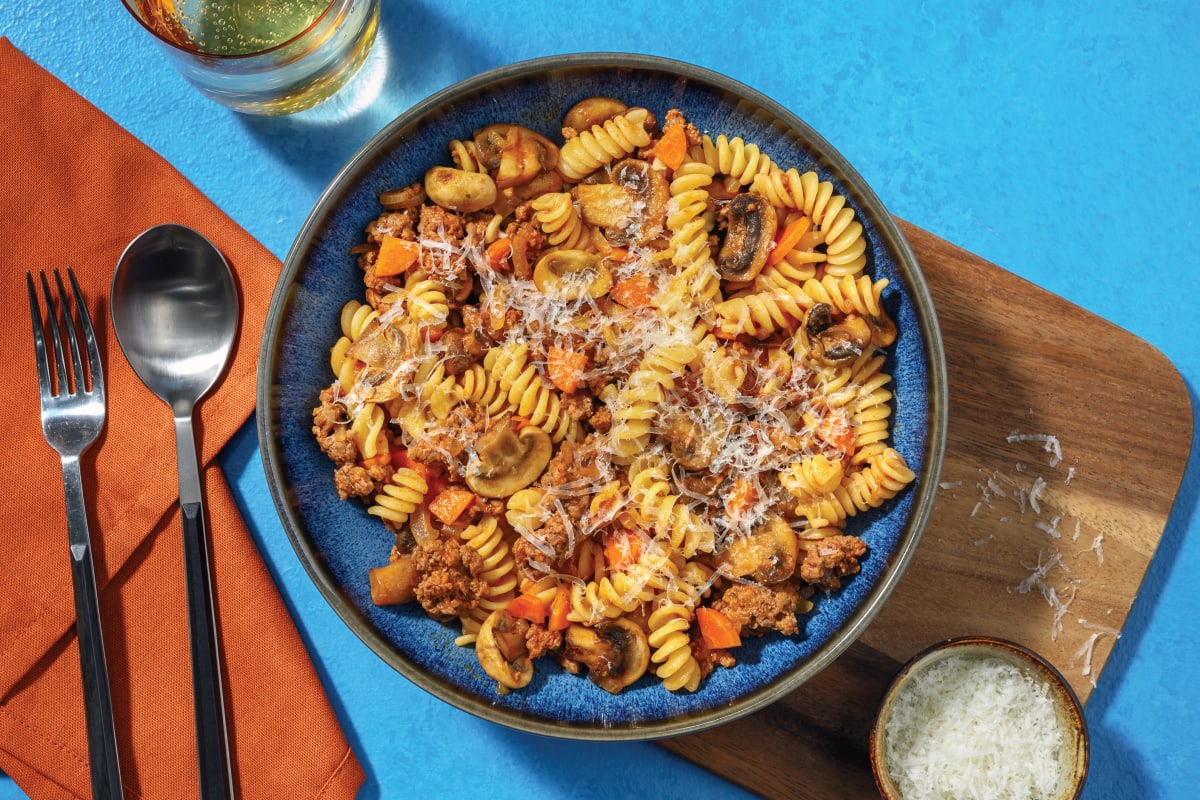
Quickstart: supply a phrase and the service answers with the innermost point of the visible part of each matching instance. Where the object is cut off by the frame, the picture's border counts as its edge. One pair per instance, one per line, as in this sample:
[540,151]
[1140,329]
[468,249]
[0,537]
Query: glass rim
[133,7]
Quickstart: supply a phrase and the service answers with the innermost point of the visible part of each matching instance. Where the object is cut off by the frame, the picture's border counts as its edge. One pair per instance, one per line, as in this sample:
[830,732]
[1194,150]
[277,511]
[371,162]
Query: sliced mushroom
[649,186]
[405,197]
[834,343]
[748,237]
[592,111]
[768,554]
[693,445]
[459,190]
[514,153]
[500,647]
[606,205]
[572,274]
[507,461]
[383,350]
[883,330]
[616,653]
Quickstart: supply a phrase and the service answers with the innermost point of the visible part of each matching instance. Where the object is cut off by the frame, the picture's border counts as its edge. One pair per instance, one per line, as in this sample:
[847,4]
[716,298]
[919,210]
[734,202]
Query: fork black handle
[98,708]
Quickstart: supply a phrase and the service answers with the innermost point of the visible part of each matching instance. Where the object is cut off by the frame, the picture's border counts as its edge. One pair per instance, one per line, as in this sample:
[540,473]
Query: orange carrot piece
[528,606]
[789,237]
[560,606]
[377,460]
[395,256]
[671,149]
[622,549]
[498,253]
[633,292]
[741,497]
[717,630]
[450,503]
[565,368]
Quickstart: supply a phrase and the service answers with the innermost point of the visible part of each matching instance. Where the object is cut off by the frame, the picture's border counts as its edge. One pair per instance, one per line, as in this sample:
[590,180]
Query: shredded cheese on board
[969,726]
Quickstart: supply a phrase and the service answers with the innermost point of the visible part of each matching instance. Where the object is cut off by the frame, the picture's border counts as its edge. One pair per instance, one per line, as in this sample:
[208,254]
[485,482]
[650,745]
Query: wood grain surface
[1088,506]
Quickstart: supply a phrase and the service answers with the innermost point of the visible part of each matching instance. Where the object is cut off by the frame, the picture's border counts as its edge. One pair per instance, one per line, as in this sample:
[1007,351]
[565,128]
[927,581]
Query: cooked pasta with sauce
[618,398]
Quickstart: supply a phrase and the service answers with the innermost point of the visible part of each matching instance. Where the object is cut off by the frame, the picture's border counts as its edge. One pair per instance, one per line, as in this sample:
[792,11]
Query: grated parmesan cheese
[974,727]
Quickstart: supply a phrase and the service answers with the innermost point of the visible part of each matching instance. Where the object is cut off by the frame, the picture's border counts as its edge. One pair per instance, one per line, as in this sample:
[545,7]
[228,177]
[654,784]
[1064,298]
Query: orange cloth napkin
[77,188]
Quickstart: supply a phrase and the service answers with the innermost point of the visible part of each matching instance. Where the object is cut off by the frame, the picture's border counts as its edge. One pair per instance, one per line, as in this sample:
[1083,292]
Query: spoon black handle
[212,740]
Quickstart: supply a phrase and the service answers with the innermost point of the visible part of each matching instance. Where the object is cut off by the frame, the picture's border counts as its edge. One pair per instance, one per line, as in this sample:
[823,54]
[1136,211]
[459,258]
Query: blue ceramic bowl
[337,541]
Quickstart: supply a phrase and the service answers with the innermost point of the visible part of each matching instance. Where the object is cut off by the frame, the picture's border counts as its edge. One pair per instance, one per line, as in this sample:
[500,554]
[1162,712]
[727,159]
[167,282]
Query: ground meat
[446,442]
[577,406]
[601,420]
[450,585]
[352,480]
[540,640]
[831,560]
[447,265]
[757,609]
[397,224]
[330,429]
[710,659]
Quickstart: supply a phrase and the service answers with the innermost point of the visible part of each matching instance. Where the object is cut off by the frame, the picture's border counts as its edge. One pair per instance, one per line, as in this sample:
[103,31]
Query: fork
[73,413]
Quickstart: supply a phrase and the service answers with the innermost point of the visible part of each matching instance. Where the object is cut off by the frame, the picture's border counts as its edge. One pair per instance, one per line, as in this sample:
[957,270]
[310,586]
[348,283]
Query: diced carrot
[395,256]
[633,292]
[718,630]
[565,368]
[450,503]
[560,606]
[377,460]
[498,253]
[671,149]
[401,460]
[741,497]
[622,549]
[393,584]
[618,254]
[789,237]
[835,430]
[528,606]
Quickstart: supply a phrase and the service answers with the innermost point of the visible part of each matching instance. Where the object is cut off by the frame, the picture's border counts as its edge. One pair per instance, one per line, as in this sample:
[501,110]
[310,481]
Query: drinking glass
[263,56]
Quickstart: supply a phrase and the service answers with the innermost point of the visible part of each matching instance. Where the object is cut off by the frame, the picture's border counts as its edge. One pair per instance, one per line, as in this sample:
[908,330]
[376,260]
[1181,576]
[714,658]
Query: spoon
[175,312]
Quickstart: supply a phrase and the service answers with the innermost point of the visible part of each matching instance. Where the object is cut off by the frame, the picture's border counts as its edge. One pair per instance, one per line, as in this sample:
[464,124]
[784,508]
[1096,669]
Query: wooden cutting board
[1068,439]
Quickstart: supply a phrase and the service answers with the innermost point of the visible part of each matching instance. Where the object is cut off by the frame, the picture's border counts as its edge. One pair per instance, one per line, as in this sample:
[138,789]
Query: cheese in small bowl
[979,717]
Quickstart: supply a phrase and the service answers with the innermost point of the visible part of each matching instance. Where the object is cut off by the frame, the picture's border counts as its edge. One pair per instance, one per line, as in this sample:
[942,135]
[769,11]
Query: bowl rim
[924,489]
[1064,694]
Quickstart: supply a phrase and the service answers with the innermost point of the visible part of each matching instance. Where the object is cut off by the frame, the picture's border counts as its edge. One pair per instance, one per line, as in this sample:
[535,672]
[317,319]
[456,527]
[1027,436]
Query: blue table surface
[1057,140]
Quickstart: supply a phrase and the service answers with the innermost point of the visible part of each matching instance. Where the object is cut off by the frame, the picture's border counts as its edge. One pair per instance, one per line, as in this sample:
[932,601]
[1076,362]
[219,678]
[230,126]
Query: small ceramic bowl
[980,652]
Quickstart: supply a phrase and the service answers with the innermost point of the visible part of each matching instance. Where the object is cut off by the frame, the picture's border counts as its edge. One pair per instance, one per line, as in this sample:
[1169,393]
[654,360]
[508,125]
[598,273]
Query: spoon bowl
[175,312]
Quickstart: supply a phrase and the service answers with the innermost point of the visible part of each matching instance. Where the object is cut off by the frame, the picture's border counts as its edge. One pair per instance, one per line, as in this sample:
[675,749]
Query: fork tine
[95,367]
[56,336]
[68,327]
[39,339]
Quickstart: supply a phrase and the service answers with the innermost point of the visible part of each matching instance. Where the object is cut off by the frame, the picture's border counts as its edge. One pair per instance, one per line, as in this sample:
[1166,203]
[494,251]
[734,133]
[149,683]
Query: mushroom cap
[748,237]
[616,653]
[499,645]
[508,461]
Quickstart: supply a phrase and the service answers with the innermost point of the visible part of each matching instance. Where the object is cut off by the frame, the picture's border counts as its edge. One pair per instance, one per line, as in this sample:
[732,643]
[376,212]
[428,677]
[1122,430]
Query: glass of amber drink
[263,56]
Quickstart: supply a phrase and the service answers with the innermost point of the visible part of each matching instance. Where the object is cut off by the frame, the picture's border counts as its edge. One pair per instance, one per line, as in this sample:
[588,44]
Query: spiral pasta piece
[560,221]
[735,158]
[527,392]
[841,233]
[671,647]
[498,572]
[651,493]
[849,295]
[367,428]
[400,497]
[636,405]
[880,480]
[603,144]
[427,302]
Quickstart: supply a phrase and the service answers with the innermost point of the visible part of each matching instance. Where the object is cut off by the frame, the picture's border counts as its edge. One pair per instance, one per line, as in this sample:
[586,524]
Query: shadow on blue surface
[1116,769]
[415,43]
